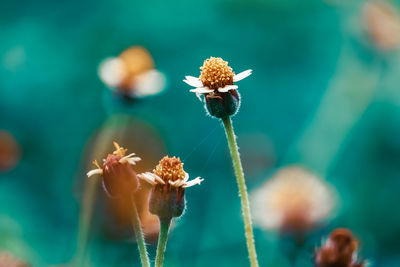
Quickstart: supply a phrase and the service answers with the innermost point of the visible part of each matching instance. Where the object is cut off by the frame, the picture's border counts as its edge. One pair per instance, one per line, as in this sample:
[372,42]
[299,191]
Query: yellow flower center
[136,60]
[170,169]
[215,73]
[119,151]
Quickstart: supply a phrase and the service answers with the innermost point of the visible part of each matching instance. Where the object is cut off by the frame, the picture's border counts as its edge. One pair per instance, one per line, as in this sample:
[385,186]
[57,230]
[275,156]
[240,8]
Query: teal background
[321,95]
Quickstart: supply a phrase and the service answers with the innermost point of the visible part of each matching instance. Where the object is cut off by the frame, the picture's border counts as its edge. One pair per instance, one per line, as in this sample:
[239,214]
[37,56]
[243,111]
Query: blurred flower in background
[9,151]
[132,73]
[339,250]
[144,139]
[293,200]
[8,260]
[383,24]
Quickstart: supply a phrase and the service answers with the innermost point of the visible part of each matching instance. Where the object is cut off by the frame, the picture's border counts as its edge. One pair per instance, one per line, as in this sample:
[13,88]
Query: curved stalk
[137,227]
[244,198]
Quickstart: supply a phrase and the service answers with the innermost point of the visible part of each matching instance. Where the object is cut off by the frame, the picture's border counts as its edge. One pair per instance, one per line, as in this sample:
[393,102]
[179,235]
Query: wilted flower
[216,83]
[383,24]
[132,73]
[340,250]
[7,260]
[118,176]
[294,200]
[169,181]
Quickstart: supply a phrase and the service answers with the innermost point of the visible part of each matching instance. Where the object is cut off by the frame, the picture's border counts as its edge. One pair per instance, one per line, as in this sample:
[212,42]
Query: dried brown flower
[119,178]
[340,250]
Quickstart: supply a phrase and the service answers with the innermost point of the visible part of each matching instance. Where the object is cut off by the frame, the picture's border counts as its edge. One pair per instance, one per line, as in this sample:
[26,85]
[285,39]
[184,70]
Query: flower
[169,181]
[216,83]
[294,200]
[8,260]
[132,73]
[383,24]
[10,151]
[118,176]
[340,250]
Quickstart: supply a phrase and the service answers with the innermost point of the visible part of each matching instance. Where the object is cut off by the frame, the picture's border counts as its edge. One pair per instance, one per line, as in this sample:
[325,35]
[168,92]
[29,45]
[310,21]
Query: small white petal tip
[242,75]
[94,172]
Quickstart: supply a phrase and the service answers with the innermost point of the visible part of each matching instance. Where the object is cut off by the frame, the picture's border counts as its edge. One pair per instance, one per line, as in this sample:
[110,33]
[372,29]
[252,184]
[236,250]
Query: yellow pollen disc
[119,151]
[136,60]
[170,169]
[215,73]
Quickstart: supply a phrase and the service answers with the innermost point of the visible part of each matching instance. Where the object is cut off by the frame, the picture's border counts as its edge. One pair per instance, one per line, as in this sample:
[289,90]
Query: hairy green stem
[162,241]
[237,165]
[137,227]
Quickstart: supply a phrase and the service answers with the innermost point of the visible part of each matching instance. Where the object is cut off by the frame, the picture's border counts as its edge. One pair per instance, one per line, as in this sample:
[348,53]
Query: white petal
[186,177]
[201,90]
[94,172]
[161,181]
[193,182]
[147,177]
[174,183]
[149,83]
[130,159]
[242,75]
[193,81]
[227,88]
[133,160]
[112,71]
[198,95]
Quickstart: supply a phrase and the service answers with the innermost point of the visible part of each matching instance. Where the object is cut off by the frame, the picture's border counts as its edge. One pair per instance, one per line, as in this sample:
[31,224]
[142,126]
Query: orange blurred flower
[294,199]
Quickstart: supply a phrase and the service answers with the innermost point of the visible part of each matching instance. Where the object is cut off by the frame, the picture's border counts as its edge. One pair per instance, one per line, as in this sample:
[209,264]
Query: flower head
[118,176]
[132,73]
[169,181]
[294,200]
[216,83]
[340,250]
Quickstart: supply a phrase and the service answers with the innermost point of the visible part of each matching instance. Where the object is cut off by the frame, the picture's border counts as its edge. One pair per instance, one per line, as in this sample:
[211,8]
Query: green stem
[137,227]
[237,165]
[162,241]
[85,217]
